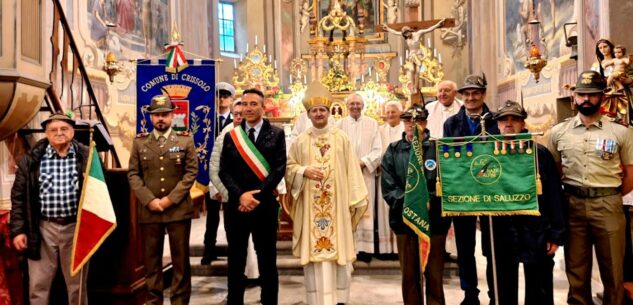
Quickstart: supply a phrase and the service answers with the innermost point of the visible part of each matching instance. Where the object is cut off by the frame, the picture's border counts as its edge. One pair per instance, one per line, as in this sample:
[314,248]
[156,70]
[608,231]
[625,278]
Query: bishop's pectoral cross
[412,33]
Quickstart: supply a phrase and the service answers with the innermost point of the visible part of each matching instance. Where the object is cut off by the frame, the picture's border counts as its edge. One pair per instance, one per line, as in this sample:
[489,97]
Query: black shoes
[470,301]
[363,257]
[207,258]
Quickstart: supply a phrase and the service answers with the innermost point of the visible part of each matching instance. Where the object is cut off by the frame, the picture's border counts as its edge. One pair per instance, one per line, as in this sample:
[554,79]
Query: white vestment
[386,238]
[365,139]
[324,212]
[438,113]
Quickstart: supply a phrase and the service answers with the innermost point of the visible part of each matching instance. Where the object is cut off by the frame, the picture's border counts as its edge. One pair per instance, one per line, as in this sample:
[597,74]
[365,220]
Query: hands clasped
[248,201]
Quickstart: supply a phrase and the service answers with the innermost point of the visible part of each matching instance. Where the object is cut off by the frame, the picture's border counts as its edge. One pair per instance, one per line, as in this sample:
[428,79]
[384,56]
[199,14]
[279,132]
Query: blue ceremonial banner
[193,93]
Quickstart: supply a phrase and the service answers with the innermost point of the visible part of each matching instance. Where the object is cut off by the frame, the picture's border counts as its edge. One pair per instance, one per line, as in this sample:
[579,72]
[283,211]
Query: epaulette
[182,133]
[142,135]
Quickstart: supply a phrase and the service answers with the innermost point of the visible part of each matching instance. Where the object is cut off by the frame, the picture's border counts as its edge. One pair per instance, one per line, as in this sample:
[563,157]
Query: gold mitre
[317,95]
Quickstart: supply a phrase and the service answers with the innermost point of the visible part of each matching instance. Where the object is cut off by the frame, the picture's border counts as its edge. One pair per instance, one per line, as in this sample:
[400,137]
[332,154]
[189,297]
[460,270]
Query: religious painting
[371,12]
[552,14]
[591,30]
[140,26]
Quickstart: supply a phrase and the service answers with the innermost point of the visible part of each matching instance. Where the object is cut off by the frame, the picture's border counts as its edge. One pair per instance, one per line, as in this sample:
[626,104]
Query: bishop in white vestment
[329,197]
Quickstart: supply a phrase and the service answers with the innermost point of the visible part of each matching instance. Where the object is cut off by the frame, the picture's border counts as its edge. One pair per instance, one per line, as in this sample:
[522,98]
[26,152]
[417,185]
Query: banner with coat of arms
[488,175]
[192,91]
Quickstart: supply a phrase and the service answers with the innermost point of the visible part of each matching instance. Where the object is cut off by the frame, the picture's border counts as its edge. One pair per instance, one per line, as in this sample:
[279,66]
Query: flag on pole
[96,219]
[415,212]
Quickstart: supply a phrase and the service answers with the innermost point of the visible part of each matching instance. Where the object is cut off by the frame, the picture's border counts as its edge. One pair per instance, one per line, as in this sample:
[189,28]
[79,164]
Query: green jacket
[393,179]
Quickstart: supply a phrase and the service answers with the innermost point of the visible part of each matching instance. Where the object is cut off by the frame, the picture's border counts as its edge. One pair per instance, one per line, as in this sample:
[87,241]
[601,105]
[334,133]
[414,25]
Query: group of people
[339,211]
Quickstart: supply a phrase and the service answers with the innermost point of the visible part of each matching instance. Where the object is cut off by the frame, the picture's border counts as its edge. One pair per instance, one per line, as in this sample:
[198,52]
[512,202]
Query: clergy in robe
[390,132]
[364,136]
[329,197]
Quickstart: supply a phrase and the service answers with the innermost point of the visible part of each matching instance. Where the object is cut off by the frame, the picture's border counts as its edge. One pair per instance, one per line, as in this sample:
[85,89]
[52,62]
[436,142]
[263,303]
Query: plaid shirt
[59,182]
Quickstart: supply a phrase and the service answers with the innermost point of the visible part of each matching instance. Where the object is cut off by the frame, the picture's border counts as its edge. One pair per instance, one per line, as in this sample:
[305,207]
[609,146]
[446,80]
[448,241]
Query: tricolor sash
[249,153]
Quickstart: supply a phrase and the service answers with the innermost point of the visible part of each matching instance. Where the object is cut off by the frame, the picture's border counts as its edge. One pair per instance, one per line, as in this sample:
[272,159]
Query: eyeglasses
[235,113]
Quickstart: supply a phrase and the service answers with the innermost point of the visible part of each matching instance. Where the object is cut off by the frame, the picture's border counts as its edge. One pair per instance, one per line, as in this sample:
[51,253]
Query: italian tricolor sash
[249,152]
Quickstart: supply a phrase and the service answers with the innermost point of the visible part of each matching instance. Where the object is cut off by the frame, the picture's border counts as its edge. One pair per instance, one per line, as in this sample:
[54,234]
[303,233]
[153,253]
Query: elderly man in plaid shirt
[44,199]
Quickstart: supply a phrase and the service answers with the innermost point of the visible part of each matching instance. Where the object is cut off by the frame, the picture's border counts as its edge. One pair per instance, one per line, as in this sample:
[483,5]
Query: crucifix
[412,33]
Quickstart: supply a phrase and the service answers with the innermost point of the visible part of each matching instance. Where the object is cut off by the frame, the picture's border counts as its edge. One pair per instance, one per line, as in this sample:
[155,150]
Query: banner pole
[494,261]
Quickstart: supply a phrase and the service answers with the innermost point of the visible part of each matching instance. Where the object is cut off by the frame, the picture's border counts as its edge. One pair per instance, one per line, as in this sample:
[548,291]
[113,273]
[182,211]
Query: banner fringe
[496,213]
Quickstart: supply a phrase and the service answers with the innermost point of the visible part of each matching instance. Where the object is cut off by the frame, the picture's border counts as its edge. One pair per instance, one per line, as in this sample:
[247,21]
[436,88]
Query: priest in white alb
[390,131]
[329,197]
[364,136]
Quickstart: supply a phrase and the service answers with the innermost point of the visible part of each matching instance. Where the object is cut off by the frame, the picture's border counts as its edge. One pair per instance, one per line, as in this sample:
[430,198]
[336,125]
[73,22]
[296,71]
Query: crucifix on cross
[412,33]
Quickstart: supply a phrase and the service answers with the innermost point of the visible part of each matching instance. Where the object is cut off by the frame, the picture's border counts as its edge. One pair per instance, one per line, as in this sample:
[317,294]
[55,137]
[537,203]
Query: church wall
[447,41]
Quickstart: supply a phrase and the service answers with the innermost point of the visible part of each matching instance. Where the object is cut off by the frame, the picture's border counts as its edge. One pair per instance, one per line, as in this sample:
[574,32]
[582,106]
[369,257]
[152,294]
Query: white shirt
[438,113]
[257,127]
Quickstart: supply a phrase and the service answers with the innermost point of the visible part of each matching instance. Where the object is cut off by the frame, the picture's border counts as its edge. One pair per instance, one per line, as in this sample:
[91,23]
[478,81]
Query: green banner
[415,211]
[490,175]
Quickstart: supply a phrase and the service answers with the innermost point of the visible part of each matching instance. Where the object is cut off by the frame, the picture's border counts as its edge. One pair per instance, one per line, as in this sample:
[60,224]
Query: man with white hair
[362,132]
[445,106]
[390,132]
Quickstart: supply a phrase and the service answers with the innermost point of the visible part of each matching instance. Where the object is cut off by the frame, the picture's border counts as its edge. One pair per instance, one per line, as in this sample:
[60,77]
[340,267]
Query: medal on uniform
[496,151]
[504,149]
[458,151]
[512,147]
[469,149]
[521,145]
[178,162]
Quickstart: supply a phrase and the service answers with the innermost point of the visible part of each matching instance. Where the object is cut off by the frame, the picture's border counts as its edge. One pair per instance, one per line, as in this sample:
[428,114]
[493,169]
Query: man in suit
[226,93]
[252,163]
[163,167]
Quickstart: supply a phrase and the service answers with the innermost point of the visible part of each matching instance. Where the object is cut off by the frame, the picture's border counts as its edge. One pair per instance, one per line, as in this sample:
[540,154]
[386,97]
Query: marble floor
[365,289]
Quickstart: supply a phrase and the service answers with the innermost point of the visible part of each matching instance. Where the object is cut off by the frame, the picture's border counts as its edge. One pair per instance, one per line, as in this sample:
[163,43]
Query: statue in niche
[392,11]
[617,101]
[305,10]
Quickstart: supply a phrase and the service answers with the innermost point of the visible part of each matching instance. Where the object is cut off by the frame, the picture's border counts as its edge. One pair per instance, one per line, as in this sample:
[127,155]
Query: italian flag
[176,60]
[96,219]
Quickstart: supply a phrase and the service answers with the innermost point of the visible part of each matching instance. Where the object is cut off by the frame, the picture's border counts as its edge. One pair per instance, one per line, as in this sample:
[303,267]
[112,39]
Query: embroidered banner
[491,175]
[193,93]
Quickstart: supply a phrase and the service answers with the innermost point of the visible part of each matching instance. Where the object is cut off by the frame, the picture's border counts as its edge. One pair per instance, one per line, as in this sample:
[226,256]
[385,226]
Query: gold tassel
[539,186]
[438,187]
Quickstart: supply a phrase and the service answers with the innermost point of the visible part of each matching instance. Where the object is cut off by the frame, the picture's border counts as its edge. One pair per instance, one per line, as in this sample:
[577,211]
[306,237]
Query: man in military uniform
[163,167]
[596,159]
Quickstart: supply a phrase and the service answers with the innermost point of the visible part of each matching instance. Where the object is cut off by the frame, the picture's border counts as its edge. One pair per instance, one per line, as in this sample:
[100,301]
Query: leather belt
[60,220]
[591,192]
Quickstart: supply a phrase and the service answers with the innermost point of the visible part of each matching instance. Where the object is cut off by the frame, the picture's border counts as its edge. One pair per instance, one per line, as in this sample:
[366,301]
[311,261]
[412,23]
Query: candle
[401,60]
[255,39]
[247,47]
[377,79]
[369,71]
[264,48]
[305,79]
[406,54]
[275,64]
[434,52]
[270,58]
[362,78]
[439,57]
[234,63]
[428,42]
[291,78]
[241,57]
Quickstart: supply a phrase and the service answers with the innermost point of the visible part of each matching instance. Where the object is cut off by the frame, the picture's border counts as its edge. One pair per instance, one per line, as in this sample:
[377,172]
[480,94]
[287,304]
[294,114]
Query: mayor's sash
[249,153]
[488,175]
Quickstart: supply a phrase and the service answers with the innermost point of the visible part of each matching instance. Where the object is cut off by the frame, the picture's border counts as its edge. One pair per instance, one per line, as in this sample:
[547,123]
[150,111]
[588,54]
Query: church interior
[86,57]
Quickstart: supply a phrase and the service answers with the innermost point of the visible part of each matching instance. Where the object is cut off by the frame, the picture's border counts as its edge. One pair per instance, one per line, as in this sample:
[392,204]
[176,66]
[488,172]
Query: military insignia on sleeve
[142,135]
[183,133]
[430,164]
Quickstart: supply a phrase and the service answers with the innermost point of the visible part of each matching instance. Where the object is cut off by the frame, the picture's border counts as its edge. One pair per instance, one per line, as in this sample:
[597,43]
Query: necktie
[251,134]
[222,122]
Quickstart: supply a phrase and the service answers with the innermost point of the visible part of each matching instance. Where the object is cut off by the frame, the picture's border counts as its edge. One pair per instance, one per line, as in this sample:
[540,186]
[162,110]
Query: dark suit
[466,226]
[156,172]
[260,222]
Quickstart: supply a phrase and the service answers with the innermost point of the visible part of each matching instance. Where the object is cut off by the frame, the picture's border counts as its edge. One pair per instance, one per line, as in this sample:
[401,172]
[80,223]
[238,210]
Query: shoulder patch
[182,133]
[142,135]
